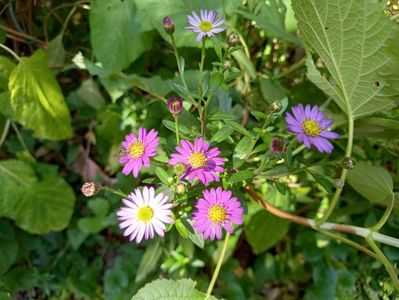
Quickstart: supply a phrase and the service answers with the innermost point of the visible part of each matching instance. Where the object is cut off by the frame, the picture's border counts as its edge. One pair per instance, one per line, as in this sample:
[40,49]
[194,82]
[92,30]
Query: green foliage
[36,100]
[351,38]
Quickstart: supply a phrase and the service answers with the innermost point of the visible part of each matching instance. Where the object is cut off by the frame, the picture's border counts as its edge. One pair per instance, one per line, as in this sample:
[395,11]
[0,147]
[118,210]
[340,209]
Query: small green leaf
[162,175]
[89,93]
[163,289]
[36,99]
[238,127]
[183,231]
[56,52]
[373,183]
[243,147]
[222,134]
[215,81]
[265,230]
[241,176]
[149,260]
[323,180]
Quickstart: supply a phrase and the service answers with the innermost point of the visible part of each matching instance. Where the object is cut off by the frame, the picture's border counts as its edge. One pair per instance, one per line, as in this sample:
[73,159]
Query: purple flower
[175,105]
[200,161]
[311,127]
[168,25]
[145,214]
[207,25]
[136,151]
[215,211]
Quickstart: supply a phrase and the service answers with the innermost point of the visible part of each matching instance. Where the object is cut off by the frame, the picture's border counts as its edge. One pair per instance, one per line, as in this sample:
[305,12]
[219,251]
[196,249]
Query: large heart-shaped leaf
[36,99]
[352,38]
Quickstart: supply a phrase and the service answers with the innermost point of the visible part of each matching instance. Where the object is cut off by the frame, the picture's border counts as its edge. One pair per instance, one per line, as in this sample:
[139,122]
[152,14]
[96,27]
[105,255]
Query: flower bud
[277,145]
[175,105]
[233,39]
[168,25]
[275,107]
[180,189]
[90,189]
[339,183]
[179,169]
[226,65]
[349,163]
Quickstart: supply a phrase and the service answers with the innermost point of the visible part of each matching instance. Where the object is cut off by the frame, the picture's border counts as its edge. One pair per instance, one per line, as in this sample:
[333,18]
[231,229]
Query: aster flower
[311,127]
[216,210]
[145,214]
[137,150]
[200,161]
[207,25]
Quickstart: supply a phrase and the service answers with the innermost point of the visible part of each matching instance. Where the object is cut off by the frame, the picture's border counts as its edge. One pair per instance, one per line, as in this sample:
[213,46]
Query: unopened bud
[233,39]
[179,169]
[277,145]
[180,189]
[90,189]
[275,107]
[168,25]
[175,105]
[226,65]
[349,163]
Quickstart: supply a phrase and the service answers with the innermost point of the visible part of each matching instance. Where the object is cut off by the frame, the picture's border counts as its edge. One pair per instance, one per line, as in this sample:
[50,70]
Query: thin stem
[5,132]
[292,68]
[218,266]
[116,192]
[359,231]
[298,150]
[11,52]
[338,191]
[19,136]
[350,243]
[65,24]
[179,67]
[390,269]
[385,216]
[177,129]
[203,54]
[257,136]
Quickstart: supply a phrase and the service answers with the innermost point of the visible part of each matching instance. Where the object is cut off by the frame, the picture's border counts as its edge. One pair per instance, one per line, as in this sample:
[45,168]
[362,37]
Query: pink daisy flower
[207,25]
[136,151]
[215,211]
[201,162]
[145,214]
[311,127]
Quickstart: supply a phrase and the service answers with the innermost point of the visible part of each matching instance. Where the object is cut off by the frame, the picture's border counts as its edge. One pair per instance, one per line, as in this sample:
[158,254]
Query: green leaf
[377,127]
[243,147]
[240,176]
[37,100]
[162,175]
[238,127]
[222,134]
[116,33]
[215,81]
[149,260]
[99,206]
[56,51]
[355,59]
[265,230]
[270,16]
[163,289]
[373,183]
[6,67]
[271,90]
[323,180]
[89,93]
[8,247]
[183,231]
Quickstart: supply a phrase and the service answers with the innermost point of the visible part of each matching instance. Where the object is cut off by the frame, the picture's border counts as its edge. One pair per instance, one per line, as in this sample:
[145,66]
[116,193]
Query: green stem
[177,129]
[218,266]
[179,67]
[385,216]
[298,150]
[19,136]
[201,70]
[11,52]
[390,269]
[292,68]
[338,191]
[65,24]
[5,132]
[116,192]
[257,136]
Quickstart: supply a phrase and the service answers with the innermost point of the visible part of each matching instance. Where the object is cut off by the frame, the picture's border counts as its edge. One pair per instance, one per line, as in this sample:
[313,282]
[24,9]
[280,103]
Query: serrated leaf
[115,33]
[264,230]
[164,289]
[351,37]
[36,99]
[373,183]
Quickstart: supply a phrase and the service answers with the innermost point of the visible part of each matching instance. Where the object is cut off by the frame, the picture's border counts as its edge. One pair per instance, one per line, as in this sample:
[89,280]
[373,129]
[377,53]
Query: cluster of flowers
[146,212]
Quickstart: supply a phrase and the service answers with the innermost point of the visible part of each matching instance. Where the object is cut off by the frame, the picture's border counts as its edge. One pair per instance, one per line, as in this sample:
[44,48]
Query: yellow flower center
[136,149]
[145,214]
[205,26]
[197,160]
[217,214]
[311,127]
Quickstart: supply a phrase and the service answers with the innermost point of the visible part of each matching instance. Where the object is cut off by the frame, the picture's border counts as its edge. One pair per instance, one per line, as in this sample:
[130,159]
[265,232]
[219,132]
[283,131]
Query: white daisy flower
[145,214]
[207,25]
